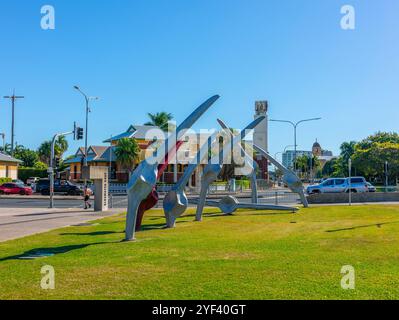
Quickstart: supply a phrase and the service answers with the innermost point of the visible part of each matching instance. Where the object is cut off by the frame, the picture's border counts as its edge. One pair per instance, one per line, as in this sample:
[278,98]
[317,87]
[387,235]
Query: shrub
[5,180]
[25,173]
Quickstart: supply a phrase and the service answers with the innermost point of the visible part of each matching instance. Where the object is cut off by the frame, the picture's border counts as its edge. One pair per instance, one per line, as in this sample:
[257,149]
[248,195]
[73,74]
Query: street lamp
[3,135]
[87,99]
[295,125]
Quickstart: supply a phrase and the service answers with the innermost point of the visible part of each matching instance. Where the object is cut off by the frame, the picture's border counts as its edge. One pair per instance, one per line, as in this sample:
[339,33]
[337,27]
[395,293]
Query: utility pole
[13,98]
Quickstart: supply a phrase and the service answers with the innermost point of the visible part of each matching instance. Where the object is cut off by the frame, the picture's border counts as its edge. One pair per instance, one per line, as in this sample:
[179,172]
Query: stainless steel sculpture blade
[289,177]
[250,162]
[175,202]
[212,169]
[144,178]
[230,204]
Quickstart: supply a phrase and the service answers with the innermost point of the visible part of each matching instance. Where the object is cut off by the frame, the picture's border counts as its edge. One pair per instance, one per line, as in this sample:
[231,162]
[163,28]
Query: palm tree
[61,145]
[127,151]
[160,119]
[7,148]
[44,151]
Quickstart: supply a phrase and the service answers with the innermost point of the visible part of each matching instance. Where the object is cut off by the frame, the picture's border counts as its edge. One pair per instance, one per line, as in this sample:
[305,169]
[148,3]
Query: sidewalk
[20,222]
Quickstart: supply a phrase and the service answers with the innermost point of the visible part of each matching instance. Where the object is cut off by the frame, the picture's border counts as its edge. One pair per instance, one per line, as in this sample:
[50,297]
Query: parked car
[336,185]
[42,183]
[371,187]
[15,188]
[60,186]
[32,180]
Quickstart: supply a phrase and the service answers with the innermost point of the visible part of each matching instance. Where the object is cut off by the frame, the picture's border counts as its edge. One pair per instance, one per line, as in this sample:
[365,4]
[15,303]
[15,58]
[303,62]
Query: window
[357,180]
[328,183]
[339,181]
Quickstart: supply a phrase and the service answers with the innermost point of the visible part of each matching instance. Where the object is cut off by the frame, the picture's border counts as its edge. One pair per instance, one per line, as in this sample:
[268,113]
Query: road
[120,201]
[59,202]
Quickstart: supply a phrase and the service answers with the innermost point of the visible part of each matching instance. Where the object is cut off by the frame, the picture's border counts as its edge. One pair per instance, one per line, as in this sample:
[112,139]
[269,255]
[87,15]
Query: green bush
[5,180]
[25,173]
[244,183]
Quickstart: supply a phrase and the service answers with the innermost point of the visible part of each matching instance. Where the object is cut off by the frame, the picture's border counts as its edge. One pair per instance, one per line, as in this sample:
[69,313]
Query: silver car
[337,185]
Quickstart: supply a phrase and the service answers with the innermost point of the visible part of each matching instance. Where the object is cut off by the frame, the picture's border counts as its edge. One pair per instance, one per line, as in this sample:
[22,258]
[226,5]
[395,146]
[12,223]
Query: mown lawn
[251,255]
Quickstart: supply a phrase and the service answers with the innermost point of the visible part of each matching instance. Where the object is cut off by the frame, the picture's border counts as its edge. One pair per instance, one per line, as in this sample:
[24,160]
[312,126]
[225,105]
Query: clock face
[261,106]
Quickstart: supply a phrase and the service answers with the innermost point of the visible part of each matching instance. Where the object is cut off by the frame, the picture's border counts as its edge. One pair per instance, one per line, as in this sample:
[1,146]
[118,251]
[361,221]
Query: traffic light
[79,134]
[57,162]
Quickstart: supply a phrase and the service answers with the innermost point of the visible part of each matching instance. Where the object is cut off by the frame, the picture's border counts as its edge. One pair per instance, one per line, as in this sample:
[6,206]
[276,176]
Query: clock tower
[260,137]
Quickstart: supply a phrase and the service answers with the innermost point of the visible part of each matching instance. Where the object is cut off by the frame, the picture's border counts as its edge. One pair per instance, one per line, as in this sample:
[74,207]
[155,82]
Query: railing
[387,189]
[278,197]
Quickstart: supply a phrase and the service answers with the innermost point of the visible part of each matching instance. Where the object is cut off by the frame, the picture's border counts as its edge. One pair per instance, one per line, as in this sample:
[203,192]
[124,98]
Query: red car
[15,188]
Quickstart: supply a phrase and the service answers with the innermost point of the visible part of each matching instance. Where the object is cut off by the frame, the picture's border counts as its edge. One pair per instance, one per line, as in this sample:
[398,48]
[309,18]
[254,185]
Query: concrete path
[20,222]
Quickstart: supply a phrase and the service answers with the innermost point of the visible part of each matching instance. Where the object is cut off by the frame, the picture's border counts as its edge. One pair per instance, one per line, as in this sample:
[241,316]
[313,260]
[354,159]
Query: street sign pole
[51,168]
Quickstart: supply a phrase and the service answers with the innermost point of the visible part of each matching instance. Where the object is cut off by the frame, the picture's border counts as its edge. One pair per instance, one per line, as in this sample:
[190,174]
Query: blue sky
[153,55]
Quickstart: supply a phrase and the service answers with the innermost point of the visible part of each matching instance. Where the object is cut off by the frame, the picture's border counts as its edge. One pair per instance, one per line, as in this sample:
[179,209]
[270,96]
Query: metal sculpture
[289,177]
[250,163]
[144,178]
[175,202]
[214,167]
[152,199]
[230,204]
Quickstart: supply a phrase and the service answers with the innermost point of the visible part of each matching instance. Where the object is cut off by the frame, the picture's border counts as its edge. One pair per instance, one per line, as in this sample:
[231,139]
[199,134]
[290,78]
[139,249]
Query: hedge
[25,173]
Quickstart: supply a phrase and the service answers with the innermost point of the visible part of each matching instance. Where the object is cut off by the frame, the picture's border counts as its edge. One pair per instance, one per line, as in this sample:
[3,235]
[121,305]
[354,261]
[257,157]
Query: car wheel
[316,192]
[22,193]
[45,192]
[1,192]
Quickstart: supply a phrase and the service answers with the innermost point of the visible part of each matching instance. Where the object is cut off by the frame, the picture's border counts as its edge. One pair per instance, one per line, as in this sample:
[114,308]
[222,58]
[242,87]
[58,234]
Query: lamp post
[87,100]
[350,180]
[295,126]
[3,135]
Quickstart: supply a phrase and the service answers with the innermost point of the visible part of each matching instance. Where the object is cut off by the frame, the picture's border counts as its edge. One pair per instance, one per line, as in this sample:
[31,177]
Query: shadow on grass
[43,252]
[378,225]
[237,214]
[96,233]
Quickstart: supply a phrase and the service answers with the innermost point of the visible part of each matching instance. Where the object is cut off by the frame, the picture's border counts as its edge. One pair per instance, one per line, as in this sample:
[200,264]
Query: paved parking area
[21,222]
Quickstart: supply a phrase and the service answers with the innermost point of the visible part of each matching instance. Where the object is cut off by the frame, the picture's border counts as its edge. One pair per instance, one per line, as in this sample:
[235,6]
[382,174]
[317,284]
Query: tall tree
[29,157]
[44,151]
[305,164]
[160,119]
[127,151]
[6,149]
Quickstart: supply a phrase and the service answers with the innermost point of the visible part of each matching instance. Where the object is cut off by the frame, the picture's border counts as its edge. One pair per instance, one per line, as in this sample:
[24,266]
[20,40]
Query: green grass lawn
[251,255]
